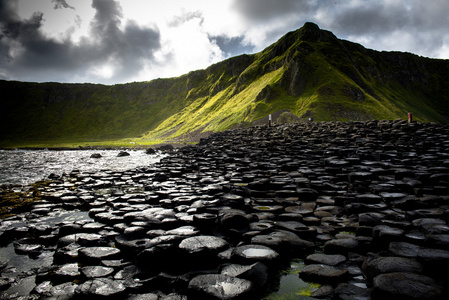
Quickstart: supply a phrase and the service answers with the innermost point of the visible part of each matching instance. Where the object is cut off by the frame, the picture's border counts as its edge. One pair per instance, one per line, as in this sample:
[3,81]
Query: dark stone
[307,194]
[30,249]
[156,257]
[401,285]
[123,153]
[323,291]
[96,271]
[323,274]
[382,265]
[370,219]
[183,231]
[404,249]
[340,246]
[96,254]
[234,219]
[83,239]
[203,243]
[150,151]
[330,260]
[165,148]
[63,291]
[350,291]
[254,253]
[218,286]
[131,245]
[257,273]
[283,241]
[67,272]
[101,287]
[96,155]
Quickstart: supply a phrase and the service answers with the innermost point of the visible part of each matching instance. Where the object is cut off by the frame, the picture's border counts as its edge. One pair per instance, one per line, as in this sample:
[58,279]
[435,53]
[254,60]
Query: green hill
[307,73]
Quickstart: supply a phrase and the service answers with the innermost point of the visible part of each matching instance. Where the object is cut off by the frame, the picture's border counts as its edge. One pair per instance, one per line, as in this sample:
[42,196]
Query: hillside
[307,73]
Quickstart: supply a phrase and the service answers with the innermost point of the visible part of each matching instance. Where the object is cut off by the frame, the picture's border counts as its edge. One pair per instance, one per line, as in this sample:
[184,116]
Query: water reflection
[27,166]
[291,286]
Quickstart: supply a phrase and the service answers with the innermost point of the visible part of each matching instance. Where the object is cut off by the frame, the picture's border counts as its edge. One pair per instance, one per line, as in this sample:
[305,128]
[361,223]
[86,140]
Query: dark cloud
[265,10]
[27,54]
[384,16]
[418,26]
[59,4]
[232,46]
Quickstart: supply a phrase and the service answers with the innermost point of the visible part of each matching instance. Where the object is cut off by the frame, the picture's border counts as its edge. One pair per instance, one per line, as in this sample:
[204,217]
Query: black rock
[330,260]
[324,274]
[203,244]
[382,265]
[101,287]
[402,285]
[122,154]
[91,272]
[255,253]
[96,254]
[218,286]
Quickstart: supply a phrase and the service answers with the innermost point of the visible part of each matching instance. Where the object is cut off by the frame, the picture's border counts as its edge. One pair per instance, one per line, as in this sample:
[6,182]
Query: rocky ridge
[365,204]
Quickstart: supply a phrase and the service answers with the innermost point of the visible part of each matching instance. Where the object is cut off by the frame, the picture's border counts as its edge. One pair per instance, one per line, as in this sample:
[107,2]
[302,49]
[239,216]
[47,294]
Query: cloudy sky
[119,41]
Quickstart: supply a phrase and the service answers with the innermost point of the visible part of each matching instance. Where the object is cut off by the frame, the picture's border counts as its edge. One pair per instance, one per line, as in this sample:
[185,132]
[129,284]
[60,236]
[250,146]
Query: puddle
[291,286]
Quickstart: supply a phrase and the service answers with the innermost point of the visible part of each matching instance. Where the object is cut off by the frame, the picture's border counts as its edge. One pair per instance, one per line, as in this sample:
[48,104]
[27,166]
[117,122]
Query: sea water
[22,167]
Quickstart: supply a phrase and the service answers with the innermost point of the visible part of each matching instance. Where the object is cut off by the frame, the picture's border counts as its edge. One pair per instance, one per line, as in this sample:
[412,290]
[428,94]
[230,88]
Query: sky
[121,41]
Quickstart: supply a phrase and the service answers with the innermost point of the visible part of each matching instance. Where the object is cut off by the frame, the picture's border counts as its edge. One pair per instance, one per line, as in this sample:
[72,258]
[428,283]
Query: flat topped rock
[201,243]
[291,226]
[219,286]
[255,253]
[282,239]
[326,259]
[27,248]
[183,231]
[323,273]
[340,246]
[83,239]
[404,249]
[382,265]
[257,273]
[97,253]
[406,286]
[68,270]
[96,271]
[101,287]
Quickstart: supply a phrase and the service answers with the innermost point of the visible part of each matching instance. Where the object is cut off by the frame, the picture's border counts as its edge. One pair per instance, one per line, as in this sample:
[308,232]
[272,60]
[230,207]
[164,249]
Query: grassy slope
[308,72]
[337,80]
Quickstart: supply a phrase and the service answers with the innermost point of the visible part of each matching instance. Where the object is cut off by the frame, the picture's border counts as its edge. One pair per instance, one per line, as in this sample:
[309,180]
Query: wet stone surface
[365,204]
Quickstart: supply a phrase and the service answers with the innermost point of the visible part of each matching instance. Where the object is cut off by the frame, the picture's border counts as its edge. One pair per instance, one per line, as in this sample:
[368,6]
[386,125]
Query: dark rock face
[365,204]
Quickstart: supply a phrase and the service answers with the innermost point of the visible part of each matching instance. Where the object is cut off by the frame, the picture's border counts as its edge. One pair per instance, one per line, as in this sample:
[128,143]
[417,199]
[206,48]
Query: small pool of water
[291,286]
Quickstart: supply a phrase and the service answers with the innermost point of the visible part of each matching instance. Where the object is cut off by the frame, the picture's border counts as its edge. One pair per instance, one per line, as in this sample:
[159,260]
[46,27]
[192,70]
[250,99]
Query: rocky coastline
[365,204]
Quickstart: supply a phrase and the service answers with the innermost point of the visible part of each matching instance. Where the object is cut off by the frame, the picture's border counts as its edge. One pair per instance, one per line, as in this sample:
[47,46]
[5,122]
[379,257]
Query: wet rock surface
[365,204]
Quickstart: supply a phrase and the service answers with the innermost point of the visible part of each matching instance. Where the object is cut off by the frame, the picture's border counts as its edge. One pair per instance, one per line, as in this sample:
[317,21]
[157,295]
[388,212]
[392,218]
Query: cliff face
[307,73]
